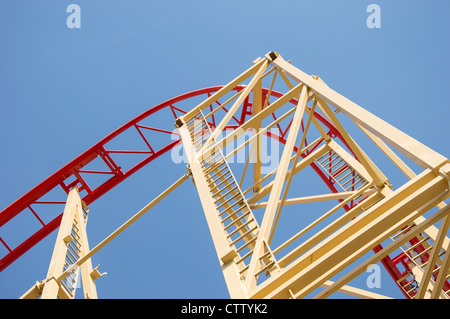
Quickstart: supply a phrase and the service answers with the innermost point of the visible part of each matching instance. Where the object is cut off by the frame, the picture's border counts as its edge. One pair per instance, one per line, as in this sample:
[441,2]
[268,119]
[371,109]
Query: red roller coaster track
[71,174]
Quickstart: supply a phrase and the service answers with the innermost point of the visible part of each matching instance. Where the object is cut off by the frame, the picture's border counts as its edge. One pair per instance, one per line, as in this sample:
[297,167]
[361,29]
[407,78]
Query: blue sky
[62,90]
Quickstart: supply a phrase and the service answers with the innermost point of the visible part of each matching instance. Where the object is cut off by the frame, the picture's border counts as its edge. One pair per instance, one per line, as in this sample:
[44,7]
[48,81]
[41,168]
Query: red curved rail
[74,170]
[70,175]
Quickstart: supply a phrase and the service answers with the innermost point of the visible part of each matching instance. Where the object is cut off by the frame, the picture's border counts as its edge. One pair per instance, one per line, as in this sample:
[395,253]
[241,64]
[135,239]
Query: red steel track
[70,175]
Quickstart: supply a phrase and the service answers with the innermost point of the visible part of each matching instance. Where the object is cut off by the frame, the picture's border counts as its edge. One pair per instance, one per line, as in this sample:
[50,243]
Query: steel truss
[269,244]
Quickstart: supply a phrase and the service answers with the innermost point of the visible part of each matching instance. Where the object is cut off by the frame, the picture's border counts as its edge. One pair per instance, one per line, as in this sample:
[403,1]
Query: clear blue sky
[62,90]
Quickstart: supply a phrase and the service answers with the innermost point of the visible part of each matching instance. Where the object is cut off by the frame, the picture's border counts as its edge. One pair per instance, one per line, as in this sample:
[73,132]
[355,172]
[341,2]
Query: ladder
[238,224]
[416,257]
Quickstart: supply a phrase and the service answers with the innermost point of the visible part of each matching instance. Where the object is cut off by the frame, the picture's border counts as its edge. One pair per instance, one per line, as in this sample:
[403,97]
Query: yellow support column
[71,244]
[51,286]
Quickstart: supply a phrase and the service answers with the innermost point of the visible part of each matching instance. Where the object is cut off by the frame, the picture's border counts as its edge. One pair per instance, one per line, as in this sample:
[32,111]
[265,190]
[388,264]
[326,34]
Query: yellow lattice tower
[245,204]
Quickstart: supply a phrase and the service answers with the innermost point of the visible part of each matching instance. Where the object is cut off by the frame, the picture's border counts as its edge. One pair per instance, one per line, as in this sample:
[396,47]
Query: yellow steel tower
[305,245]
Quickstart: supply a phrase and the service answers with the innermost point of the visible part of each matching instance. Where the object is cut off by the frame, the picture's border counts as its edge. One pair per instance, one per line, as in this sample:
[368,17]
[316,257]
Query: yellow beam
[270,212]
[355,239]
[416,151]
[224,90]
[252,121]
[51,286]
[423,286]
[124,226]
[219,128]
[305,162]
[256,108]
[401,240]
[315,198]
[355,292]
[221,244]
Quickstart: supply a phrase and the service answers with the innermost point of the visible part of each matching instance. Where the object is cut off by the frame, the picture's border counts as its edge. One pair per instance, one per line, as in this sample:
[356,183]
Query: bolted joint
[271,56]
[179,123]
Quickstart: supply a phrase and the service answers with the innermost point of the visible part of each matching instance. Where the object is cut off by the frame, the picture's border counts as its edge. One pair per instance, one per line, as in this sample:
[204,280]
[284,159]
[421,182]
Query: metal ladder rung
[436,269]
[214,166]
[229,199]
[72,276]
[246,244]
[74,236]
[248,232]
[239,228]
[196,125]
[331,161]
[342,169]
[234,221]
[228,208]
[220,184]
[74,226]
[67,289]
[244,269]
[211,160]
[350,172]
[267,253]
[75,242]
[421,253]
[193,120]
[212,180]
[339,168]
[322,157]
[351,179]
[219,171]
[198,136]
[245,256]
[233,212]
[74,247]
[361,180]
[226,194]
[426,263]
[73,259]
[327,158]
[403,278]
[266,267]
[408,291]
[199,143]
[417,244]
[402,232]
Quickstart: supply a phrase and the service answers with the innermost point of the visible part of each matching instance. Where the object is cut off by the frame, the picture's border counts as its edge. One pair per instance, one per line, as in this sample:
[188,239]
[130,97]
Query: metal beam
[52,286]
[416,151]
[355,239]
[270,212]
[430,267]
[124,226]
[316,198]
[262,66]
[256,108]
[253,120]
[224,90]
[402,239]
